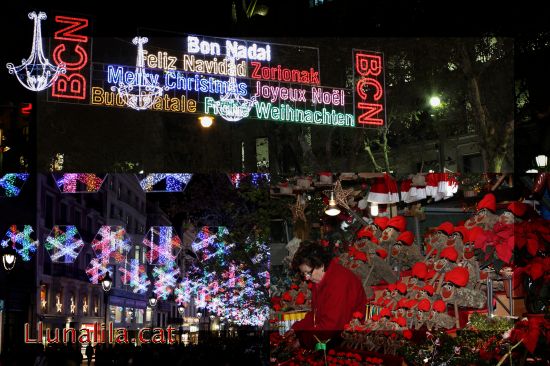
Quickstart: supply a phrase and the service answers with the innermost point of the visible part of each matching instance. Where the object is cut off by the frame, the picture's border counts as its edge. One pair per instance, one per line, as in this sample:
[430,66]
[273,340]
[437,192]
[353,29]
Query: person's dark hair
[312,255]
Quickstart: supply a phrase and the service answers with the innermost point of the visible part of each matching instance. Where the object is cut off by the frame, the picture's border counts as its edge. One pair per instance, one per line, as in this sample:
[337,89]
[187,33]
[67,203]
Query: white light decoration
[135,276]
[8,259]
[332,208]
[85,306]
[20,241]
[64,244]
[206,121]
[58,303]
[96,270]
[176,182]
[36,73]
[141,92]
[542,161]
[232,106]
[374,209]
[435,101]
[165,280]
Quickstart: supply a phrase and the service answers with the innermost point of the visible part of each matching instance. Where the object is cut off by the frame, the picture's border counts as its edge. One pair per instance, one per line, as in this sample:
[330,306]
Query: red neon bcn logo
[72,49]
[369,95]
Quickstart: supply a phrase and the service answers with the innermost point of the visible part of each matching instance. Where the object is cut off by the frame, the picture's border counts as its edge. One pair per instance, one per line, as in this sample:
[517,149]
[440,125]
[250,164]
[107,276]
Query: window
[77,218]
[262,153]
[63,214]
[49,211]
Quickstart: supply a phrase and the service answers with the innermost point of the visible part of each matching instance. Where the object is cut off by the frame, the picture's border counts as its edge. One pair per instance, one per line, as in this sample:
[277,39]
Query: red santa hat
[446,227]
[365,232]
[489,202]
[458,275]
[519,209]
[424,305]
[406,237]
[385,312]
[410,303]
[401,287]
[381,222]
[391,286]
[439,306]
[399,223]
[383,190]
[429,289]
[449,253]
[382,253]
[473,234]
[420,270]
[400,320]
[462,231]
[402,303]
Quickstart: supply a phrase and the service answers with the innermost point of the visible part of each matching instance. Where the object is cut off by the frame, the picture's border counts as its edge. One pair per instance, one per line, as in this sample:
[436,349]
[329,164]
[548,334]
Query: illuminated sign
[369,94]
[71,46]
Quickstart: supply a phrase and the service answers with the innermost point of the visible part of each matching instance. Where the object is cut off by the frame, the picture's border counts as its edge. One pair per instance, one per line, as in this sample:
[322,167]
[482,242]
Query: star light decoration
[255,178]
[78,182]
[135,276]
[298,209]
[64,244]
[165,278]
[111,244]
[175,182]
[20,241]
[36,73]
[11,184]
[163,245]
[341,195]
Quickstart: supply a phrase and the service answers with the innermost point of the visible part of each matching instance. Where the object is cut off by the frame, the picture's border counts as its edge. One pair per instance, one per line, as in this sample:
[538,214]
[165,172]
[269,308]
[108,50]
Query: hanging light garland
[11,184]
[174,182]
[255,178]
[67,182]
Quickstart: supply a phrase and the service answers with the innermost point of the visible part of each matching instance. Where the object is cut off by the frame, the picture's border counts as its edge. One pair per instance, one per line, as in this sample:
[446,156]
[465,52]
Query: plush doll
[485,215]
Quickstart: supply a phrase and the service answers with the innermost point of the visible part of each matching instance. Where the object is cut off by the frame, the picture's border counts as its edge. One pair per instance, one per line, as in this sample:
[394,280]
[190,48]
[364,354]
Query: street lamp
[374,209]
[542,161]
[152,301]
[332,209]
[181,309]
[435,101]
[106,283]
[206,121]
[8,259]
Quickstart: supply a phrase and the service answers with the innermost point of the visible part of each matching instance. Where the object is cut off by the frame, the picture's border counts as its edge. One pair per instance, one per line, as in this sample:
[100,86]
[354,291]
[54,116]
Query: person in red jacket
[337,293]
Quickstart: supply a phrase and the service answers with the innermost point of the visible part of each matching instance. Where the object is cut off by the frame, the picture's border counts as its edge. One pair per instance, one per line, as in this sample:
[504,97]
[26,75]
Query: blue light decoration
[185,290]
[174,182]
[78,182]
[96,270]
[36,73]
[135,277]
[11,184]
[20,241]
[111,244]
[255,178]
[209,243]
[64,244]
[163,245]
[165,278]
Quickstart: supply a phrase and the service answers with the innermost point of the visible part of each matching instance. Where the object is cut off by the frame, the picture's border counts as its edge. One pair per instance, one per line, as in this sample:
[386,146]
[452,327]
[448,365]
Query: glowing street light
[542,161]
[332,209]
[435,101]
[206,121]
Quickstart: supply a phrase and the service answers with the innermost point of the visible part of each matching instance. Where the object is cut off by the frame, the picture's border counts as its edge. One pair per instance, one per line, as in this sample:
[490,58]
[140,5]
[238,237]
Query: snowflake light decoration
[135,276]
[185,290]
[11,184]
[78,182]
[111,244]
[209,243]
[176,182]
[165,278]
[163,245]
[64,244]
[21,241]
[255,178]
[96,270]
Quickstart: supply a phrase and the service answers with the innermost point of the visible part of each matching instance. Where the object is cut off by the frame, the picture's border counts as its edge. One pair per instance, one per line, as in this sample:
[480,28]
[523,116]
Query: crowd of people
[221,351]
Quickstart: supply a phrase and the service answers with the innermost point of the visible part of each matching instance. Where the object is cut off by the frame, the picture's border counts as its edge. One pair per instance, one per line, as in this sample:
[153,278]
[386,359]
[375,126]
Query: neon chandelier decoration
[142,92]
[176,182]
[232,106]
[36,73]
